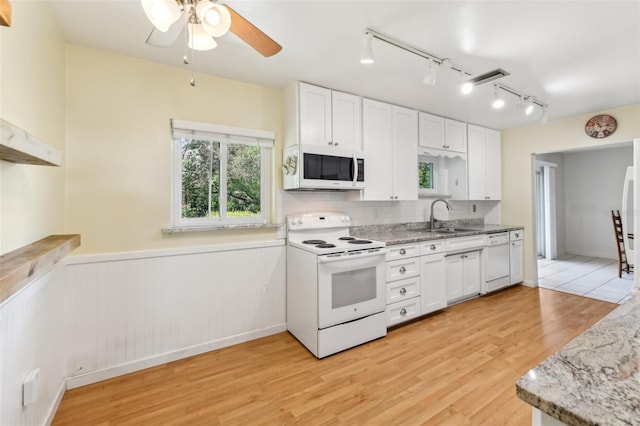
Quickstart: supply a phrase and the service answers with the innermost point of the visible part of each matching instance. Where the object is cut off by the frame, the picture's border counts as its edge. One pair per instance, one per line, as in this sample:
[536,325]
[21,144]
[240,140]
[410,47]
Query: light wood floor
[457,367]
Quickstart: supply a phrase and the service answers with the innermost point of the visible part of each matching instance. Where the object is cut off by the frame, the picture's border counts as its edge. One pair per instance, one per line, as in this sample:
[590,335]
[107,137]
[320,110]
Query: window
[427,167]
[222,175]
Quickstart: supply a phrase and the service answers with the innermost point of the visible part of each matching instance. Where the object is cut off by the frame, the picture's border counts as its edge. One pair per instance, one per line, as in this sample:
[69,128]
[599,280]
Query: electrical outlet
[31,388]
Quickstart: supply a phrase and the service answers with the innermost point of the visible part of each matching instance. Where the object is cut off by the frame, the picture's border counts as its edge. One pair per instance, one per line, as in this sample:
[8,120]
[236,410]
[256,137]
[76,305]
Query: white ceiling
[576,56]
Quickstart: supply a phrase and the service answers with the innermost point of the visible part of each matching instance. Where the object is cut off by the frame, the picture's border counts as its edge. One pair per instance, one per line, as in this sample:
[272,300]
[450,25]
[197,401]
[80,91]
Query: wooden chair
[623,265]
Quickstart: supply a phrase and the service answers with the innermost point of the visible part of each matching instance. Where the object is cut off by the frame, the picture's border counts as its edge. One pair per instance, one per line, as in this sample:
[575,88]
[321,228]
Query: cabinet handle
[330,143]
[403,269]
[391,197]
[403,251]
[432,247]
[335,144]
[403,312]
[403,291]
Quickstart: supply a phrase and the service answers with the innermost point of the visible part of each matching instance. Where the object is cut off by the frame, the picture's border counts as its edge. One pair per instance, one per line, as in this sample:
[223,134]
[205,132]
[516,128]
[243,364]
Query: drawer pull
[403,291]
[432,247]
[403,312]
[403,269]
[403,251]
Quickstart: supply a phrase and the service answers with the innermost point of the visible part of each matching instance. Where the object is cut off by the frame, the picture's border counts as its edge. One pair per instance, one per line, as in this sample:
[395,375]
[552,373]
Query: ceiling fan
[204,20]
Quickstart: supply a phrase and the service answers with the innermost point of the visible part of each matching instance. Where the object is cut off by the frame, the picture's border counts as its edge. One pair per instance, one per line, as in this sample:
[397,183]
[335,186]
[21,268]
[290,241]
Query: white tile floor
[585,276]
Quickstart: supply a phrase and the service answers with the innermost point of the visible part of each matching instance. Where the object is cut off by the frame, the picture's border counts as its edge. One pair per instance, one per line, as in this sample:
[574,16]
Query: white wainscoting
[136,310]
[101,316]
[33,335]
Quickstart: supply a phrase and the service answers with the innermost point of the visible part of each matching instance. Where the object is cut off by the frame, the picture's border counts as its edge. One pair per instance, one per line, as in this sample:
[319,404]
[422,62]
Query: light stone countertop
[404,233]
[595,378]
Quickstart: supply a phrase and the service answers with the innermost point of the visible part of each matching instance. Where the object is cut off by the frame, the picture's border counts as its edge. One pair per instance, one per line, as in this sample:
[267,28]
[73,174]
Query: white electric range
[335,284]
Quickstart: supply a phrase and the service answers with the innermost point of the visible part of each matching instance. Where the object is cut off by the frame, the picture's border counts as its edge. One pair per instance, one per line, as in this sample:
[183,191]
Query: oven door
[350,287]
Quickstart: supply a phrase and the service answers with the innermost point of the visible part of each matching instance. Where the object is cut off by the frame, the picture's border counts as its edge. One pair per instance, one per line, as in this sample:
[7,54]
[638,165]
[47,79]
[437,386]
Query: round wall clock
[600,126]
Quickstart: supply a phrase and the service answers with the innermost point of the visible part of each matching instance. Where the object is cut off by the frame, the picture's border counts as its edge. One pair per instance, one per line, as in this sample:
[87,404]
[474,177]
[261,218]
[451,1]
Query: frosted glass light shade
[367,50]
[215,19]
[161,13]
[199,39]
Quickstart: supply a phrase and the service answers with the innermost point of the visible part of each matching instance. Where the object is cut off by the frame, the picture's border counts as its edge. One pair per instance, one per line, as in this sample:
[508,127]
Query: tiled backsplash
[382,212]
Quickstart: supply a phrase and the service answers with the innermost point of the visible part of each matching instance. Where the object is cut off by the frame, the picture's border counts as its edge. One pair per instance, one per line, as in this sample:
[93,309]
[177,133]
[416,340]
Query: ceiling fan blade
[251,35]
[167,39]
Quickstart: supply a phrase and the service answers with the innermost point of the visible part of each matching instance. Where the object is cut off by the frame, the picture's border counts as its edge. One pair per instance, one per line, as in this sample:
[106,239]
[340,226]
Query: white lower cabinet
[433,279]
[403,283]
[463,275]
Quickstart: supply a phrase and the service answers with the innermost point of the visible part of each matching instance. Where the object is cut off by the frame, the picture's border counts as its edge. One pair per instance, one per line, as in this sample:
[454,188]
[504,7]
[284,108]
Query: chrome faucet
[431,218]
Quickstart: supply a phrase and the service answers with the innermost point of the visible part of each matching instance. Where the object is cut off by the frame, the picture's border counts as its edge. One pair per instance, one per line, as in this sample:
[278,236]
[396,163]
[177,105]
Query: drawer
[403,311]
[402,251]
[403,290]
[403,268]
[431,247]
[516,235]
[465,243]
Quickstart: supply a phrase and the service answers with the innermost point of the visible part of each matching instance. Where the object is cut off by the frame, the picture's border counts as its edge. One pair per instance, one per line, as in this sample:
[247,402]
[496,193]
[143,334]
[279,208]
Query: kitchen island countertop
[595,378]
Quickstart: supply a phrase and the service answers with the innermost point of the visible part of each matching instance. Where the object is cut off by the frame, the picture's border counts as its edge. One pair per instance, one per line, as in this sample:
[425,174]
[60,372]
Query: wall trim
[56,403]
[146,254]
[530,283]
[153,361]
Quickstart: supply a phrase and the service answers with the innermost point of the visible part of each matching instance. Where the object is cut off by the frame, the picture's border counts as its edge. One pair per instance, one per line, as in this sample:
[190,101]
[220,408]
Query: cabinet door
[377,136]
[433,285]
[516,255]
[346,120]
[315,115]
[454,277]
[431,133]
[492,164]
[405,154]
[455,135]
[476,163]
[471,273]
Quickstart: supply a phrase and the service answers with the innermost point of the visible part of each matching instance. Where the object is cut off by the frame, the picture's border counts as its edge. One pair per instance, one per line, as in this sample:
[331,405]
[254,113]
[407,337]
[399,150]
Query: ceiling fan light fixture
[215,18]
[199,39]
[161,13]
[367,50]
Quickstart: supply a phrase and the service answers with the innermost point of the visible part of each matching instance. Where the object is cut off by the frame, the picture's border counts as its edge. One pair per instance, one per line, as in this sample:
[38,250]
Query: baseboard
[141,364]
[529,283]
[56,403]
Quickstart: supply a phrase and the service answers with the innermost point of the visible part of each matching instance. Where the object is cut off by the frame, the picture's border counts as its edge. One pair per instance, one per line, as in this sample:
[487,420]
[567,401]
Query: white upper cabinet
[484,163]
[329,118]
[442,133]
[431,131]
[455,135]
[346,120]
[390,138]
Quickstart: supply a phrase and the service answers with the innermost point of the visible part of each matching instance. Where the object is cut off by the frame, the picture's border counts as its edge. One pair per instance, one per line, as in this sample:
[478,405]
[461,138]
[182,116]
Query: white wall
[593,187]
[32,86]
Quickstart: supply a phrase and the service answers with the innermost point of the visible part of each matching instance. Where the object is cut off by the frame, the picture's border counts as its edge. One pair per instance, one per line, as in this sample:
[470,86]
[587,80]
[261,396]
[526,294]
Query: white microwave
[308,167]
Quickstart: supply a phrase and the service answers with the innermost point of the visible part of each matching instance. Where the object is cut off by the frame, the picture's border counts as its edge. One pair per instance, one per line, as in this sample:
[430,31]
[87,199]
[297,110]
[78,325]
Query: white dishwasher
[497,258]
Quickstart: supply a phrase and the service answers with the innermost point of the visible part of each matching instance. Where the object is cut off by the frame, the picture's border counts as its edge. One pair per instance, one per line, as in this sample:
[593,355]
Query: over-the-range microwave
[317,167]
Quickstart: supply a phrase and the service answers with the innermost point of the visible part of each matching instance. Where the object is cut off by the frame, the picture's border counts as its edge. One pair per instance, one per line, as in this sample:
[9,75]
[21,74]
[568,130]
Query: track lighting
[367,50]
[466,88]
[544,118]
[498,102]
[432,74]
[528,105]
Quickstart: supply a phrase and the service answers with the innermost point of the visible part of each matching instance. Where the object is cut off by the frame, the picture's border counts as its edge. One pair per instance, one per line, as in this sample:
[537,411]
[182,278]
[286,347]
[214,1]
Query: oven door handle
[346,258]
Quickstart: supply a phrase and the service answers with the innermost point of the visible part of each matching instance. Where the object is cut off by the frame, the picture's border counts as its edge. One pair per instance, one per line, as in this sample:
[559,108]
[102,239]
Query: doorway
[546,243]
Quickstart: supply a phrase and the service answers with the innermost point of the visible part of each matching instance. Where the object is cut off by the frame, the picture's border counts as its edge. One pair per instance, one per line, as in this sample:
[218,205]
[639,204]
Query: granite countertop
[595,379]
[415,232]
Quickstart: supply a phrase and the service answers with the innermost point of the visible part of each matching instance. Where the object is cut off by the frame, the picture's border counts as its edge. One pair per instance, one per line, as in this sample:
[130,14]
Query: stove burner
[313,242]
[360,242]
[325,245]
[346,238]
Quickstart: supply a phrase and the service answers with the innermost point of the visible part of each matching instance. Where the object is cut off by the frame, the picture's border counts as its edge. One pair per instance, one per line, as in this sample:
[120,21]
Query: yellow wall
[518,146]
[119,146]
[32,66]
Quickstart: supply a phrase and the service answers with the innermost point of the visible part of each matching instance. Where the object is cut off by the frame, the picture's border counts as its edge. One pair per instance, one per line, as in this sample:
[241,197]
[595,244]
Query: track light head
[432,74]
[528,105]
[498,102]
[466,88]
[367,50]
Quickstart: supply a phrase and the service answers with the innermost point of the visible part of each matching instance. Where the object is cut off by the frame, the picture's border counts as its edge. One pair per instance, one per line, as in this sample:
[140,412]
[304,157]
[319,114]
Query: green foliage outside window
[425,175]
[201,179]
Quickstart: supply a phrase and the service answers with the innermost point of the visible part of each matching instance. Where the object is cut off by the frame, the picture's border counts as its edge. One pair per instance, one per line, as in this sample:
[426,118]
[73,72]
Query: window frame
[434,175]
[225,135]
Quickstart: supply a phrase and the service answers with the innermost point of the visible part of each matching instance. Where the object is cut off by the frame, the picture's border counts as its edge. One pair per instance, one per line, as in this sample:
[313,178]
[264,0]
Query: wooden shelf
[18,146]
[20,267]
